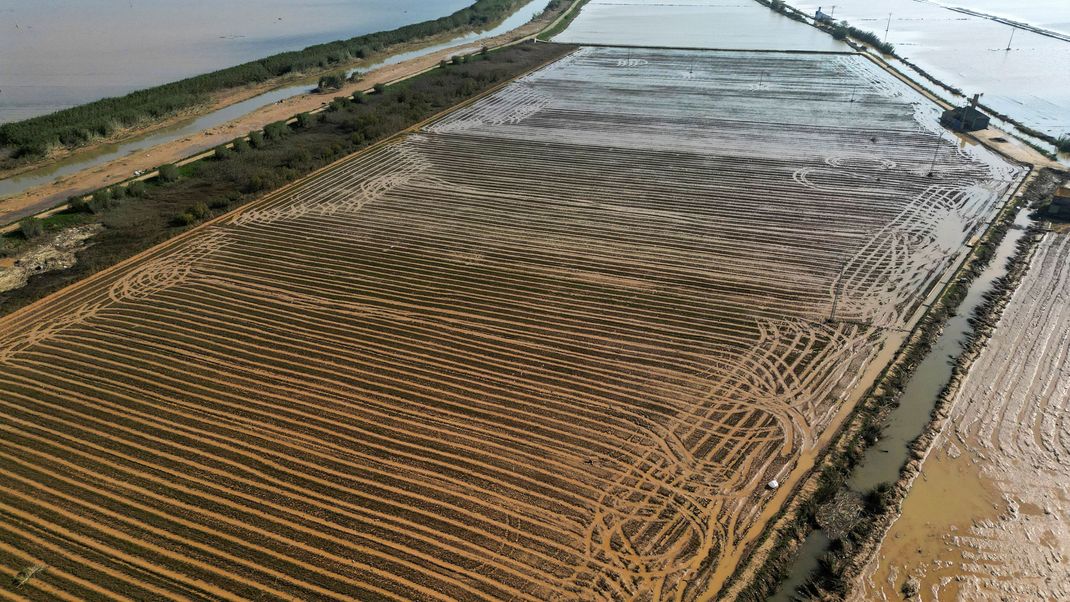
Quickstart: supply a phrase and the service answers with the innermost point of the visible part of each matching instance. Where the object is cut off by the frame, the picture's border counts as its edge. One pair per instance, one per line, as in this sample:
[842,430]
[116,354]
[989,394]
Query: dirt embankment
[43,197]
[996,442]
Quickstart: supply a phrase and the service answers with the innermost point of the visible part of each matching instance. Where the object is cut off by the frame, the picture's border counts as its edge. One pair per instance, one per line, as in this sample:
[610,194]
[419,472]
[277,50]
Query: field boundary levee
[710,49]
[780,531]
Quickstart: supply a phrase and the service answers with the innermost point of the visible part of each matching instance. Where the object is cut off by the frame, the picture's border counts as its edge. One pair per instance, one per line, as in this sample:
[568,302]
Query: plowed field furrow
[551,347]
[457,267]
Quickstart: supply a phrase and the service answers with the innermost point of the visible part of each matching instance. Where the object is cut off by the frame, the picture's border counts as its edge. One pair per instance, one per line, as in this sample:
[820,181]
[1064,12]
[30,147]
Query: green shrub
[102,201]
[222,152]
[102,196]
[241,145]
[31,228]
[184,219]
[135,189]
[379,88]
[78,204]
[305,120]
[1063,144]
[276,131]
[331,81]
[256,139]
[877,500]
[168,173]
[200,210]
[338,103]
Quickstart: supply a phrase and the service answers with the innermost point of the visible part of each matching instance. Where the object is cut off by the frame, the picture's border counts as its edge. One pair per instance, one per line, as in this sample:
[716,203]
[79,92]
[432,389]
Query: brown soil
[550,347]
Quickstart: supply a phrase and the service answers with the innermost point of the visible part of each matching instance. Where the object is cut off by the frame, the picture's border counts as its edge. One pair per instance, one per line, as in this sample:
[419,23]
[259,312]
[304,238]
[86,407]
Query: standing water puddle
[882,462]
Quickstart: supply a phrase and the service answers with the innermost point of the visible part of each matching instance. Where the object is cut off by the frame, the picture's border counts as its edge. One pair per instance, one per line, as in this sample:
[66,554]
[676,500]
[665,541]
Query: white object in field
[773,484]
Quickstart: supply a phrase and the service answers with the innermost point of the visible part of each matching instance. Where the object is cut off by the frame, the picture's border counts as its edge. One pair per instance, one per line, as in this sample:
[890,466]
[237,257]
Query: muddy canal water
[1025,77]
[883,461]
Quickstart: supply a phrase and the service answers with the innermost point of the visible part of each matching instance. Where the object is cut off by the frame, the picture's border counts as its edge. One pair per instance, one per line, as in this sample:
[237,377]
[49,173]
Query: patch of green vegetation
[843,30]
[31,227]
[331,81]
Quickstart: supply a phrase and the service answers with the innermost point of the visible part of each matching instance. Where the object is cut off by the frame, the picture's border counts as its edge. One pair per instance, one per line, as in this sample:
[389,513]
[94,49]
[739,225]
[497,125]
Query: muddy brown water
[883,461]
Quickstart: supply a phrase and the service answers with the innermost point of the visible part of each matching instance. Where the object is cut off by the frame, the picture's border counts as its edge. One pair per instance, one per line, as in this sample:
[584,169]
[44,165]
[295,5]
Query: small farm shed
[822,17]
[965,119]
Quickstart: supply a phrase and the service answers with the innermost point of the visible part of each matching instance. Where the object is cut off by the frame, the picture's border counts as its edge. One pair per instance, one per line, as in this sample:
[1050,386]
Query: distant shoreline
[33,142]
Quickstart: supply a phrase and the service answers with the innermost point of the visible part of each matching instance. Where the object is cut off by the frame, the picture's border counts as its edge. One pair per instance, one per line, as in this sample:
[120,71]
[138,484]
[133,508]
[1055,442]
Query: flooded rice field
[724,24]
[552,346]
[63,53]
[1030,81]
[988,516]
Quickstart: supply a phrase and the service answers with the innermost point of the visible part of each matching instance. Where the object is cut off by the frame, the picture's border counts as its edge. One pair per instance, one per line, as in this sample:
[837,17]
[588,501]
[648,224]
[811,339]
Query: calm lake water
[1030,82]
[469,42]
[59,53]
[732,24]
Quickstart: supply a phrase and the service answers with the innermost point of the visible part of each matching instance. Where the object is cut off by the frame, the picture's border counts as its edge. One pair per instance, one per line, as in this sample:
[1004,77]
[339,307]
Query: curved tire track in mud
[552,347]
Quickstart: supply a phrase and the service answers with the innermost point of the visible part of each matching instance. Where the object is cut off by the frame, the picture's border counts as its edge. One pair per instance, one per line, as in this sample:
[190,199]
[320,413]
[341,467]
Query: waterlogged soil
[431,372]
[738,24]
[1029,82]
[989,516]
[1051,15]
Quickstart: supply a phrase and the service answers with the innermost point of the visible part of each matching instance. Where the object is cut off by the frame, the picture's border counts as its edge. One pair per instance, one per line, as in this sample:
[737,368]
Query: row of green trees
[843,30]
[75,126]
